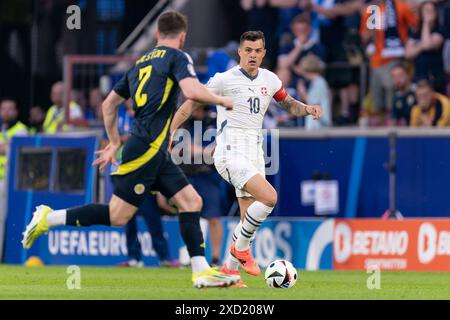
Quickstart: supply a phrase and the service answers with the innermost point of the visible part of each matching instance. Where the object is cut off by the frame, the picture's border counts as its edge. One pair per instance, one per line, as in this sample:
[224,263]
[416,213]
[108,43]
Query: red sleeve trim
[280,95]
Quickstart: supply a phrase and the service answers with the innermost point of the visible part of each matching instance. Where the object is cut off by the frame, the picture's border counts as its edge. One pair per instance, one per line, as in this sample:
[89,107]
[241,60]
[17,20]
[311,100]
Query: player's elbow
[190,94]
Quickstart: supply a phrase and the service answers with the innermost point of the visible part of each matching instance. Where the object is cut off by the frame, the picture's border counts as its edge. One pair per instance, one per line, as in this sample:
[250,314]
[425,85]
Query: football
[281,274]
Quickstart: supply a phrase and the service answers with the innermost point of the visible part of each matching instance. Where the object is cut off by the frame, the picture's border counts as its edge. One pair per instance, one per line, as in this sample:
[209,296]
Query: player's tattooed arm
[183,113]
[299,109]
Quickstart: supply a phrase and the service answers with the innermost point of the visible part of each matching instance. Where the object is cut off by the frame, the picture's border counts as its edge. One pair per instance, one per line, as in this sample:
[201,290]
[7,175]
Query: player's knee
[270,199]
[194,204]
[117,219]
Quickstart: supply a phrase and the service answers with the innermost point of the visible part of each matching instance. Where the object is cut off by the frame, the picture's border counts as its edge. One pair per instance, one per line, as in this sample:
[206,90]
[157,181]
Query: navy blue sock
[88,215]
[192,233]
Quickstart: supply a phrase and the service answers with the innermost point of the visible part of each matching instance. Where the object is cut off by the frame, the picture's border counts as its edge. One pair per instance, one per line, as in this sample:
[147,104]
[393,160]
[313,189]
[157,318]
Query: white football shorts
[237,169]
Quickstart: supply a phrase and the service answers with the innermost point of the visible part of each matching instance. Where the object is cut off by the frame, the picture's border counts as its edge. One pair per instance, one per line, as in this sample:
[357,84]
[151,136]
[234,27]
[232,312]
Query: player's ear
[157,35]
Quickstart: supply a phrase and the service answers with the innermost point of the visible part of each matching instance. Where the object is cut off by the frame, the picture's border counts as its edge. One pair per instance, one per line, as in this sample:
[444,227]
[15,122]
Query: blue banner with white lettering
[307,243]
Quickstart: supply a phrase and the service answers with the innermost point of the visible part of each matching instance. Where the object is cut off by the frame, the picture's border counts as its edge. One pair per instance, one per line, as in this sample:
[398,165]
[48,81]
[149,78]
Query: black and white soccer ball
[281,274]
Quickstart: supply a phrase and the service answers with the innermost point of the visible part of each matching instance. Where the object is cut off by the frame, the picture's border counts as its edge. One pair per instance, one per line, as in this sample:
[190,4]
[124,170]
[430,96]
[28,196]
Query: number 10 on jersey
[254,105]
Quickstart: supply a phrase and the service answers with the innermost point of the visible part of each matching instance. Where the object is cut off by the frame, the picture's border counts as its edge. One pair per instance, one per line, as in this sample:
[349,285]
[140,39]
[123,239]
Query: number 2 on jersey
[144,75]
[254,105]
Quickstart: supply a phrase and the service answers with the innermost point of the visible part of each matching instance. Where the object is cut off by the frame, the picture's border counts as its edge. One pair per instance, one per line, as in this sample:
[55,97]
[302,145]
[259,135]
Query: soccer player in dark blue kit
[153,84]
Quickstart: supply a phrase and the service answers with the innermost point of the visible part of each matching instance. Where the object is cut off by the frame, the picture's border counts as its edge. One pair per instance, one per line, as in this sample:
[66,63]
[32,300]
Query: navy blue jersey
[152,84]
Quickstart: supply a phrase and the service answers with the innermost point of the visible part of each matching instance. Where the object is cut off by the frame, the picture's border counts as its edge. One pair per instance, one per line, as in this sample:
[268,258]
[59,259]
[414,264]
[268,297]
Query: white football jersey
[242,126]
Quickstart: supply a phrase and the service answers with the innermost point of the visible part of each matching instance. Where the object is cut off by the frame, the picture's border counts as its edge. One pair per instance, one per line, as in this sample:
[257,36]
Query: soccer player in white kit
[239,156]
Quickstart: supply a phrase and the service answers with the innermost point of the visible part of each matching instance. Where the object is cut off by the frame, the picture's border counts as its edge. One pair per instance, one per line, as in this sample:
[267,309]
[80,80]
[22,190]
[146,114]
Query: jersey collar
[247,75]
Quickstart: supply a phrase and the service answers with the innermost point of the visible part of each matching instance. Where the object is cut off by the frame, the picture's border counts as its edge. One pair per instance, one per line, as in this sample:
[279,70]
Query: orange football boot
[247,262]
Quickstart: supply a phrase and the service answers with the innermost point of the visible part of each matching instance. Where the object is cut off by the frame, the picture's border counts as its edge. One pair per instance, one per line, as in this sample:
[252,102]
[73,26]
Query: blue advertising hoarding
[304,242]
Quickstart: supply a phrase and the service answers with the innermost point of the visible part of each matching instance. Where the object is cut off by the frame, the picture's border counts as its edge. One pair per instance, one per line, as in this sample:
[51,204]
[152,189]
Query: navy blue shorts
[158,174]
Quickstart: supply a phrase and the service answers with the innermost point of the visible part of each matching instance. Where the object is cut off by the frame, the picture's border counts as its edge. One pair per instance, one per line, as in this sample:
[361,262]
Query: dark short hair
[253,36]
[302,18]
[400,65]
[424,83]
[172,23]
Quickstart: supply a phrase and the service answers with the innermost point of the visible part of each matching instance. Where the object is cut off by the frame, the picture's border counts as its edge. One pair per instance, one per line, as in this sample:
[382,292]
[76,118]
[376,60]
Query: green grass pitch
[17,282]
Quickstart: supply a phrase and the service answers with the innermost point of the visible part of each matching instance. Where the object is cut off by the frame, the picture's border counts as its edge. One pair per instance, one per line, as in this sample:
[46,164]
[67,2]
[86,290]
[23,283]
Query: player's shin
[256,214]
[193,238]
[88,215]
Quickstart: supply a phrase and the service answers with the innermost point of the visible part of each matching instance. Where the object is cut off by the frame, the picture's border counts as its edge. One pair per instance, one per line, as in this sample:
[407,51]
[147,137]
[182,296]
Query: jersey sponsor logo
[139,189]
[252,90]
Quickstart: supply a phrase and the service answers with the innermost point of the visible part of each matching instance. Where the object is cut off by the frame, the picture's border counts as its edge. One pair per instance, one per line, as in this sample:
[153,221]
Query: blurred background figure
[36,119]
[317,93]
[338,24]
[55,117]
[205,178]
[404,95]
[93,112]
[425,47]
[11,126]
[289,69]
[432,108]
[384,44]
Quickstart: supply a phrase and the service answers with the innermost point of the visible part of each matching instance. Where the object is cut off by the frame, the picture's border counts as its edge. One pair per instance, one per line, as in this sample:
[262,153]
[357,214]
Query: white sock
[199,264]
[232,263]
[256,213]
[57,218]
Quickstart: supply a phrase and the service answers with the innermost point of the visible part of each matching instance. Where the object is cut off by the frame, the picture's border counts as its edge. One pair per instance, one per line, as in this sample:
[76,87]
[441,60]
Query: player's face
[57,94]
[8,111]
[399,78]
[424,96]
[252,54]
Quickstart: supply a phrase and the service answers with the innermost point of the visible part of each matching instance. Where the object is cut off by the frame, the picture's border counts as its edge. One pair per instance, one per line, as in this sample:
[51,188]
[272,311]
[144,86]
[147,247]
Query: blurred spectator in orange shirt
[384,28]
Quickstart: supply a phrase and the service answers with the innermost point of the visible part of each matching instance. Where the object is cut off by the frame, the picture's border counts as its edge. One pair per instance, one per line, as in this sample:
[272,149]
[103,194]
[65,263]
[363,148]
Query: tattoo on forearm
[294,107]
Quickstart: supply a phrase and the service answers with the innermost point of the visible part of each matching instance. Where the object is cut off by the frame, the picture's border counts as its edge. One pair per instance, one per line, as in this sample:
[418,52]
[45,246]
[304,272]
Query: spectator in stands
[93,111]
[262,16]
[385,42]
[432,108]
[425,47]
[404,96]
[338,23]
[289,69]
[205,179]
[55,117]
[11,126]
[36,119]
[317,93]
[287,11]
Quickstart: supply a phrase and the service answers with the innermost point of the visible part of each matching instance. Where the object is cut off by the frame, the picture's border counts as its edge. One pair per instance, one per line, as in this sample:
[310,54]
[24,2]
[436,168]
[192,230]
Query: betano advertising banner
[419,244]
